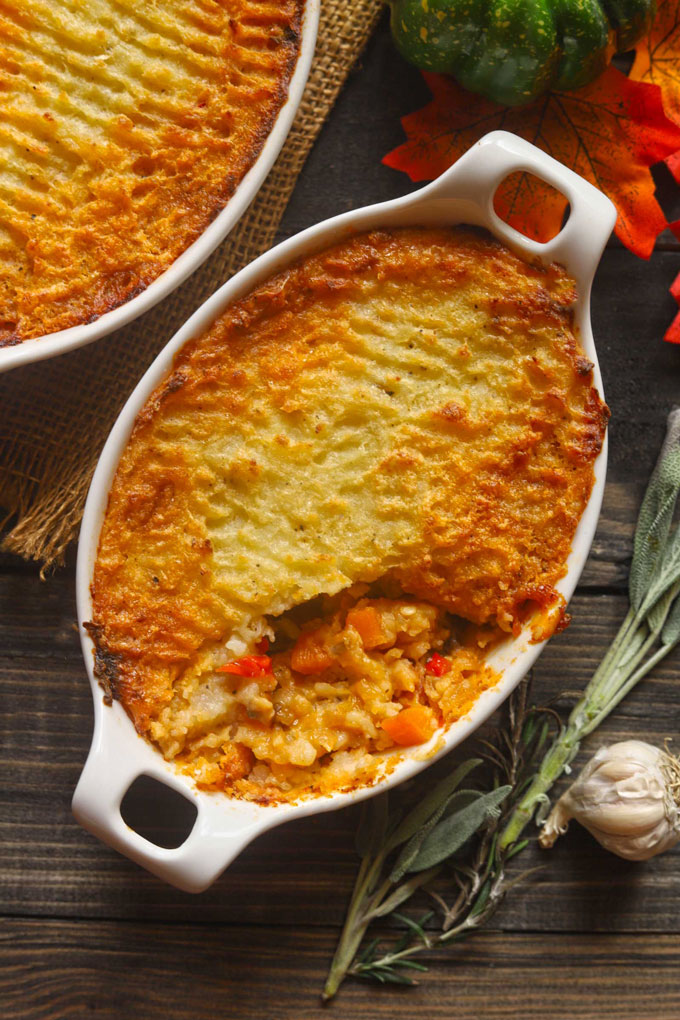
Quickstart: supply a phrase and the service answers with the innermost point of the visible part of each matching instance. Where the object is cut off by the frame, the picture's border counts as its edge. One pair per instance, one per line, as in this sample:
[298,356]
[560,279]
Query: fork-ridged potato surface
[409,405]
[125,127]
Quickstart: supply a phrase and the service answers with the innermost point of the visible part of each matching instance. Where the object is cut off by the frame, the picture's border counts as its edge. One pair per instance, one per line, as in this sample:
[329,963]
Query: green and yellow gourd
[513,50]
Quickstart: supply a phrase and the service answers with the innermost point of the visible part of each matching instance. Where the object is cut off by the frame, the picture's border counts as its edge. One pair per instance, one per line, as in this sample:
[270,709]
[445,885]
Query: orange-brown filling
[369,673]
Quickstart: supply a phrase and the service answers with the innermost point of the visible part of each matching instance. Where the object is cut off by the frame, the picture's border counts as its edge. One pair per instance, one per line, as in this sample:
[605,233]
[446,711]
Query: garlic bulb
[627,797]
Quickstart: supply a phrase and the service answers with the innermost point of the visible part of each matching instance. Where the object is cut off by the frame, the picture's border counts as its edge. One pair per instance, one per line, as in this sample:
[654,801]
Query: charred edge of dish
[105,663]
[10,340]
[314,790]
[597,416]
[172,383]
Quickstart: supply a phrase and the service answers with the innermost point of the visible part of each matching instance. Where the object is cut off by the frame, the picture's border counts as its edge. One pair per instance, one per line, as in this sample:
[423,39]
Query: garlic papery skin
[627,798]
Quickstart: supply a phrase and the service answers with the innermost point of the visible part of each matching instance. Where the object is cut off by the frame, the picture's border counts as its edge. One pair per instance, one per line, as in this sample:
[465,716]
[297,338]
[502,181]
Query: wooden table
[86,933]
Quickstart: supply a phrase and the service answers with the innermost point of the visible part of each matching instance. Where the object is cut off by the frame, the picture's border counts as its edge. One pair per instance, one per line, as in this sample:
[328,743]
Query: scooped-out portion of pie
[364,476]
[126,128]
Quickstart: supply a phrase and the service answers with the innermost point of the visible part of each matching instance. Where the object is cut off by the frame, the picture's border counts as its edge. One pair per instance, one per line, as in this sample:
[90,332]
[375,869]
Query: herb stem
[620,642]
[355,925]
[615,677]
[428,836]
[660,654]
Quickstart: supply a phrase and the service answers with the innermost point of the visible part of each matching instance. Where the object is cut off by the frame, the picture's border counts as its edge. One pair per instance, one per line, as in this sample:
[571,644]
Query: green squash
[513,50]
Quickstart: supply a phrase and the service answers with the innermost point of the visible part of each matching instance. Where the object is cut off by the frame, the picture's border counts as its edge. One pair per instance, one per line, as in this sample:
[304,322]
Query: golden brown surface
[125,128]
[411,406]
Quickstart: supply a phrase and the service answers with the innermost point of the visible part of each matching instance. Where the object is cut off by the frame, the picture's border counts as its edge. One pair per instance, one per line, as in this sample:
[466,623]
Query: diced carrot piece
[368,623]
[413,725]
[310,655]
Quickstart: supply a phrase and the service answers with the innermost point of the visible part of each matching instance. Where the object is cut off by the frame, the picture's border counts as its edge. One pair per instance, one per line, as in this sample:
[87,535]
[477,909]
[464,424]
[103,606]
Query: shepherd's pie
[362,477]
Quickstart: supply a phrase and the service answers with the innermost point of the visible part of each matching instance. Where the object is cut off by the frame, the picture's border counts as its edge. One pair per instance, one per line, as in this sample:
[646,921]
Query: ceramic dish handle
[112,766]
[477,175]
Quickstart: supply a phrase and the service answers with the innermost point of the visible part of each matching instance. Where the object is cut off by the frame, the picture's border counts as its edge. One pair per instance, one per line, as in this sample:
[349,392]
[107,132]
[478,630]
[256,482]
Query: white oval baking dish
[49,345]
[464,194]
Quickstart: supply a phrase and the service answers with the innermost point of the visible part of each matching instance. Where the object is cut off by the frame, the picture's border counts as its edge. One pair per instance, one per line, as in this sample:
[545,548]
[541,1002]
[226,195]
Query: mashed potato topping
[366,472]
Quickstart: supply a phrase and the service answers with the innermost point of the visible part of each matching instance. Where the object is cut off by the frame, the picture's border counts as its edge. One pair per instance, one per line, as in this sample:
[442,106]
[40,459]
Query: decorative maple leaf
[672,334]
[657,56]
[657,61]
[611,132]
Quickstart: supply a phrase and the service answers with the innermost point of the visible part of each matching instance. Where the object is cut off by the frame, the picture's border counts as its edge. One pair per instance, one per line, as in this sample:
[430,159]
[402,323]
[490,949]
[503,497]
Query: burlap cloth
[57,414]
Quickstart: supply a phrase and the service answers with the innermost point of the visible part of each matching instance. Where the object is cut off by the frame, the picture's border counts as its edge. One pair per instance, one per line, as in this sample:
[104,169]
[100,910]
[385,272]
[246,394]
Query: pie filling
[363,475]
[321,692]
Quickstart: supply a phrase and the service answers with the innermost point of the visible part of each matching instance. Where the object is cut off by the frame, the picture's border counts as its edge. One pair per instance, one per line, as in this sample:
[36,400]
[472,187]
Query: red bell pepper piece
[248,665]
[437,665]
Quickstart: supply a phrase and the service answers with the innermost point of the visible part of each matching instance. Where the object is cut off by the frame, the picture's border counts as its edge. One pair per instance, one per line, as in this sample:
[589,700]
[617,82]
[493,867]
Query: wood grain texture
[49,866]
[57,970]
[87,933]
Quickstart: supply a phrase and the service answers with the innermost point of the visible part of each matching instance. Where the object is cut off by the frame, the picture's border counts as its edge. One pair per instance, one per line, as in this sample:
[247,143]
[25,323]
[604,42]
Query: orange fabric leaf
[673,164]
[657,61]
[672,334]
[657,56]
[610,132]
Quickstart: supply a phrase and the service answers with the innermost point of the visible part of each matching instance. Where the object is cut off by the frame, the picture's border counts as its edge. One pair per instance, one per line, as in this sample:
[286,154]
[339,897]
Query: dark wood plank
[259,941]
[298,874]
[64,971]
[609,559]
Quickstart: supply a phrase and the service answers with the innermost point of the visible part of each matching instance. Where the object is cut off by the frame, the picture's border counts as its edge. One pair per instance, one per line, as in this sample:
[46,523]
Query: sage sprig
[424,837]
[394,845]
[431,836]
[650,630]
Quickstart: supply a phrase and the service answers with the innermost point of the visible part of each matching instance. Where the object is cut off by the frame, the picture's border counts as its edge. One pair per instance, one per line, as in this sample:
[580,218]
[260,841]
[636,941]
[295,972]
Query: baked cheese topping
[126,127]
[407,419]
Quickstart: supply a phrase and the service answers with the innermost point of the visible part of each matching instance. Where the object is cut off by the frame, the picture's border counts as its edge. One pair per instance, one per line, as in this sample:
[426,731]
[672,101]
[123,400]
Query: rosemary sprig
[394,846]
[438,825]
[447,818]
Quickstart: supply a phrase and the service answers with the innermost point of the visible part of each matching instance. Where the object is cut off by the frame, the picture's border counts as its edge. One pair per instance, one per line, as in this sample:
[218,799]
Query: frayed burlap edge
[57,414]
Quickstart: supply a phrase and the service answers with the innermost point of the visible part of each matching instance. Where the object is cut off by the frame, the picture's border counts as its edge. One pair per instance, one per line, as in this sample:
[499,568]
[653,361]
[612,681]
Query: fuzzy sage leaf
[670,635]
[667,573]
[430,804]
[656,514]
[458,799]
[657,616]
[449,836]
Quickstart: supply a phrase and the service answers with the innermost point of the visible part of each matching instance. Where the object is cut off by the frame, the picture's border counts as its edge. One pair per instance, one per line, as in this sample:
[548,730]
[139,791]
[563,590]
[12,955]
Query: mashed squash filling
[362,475]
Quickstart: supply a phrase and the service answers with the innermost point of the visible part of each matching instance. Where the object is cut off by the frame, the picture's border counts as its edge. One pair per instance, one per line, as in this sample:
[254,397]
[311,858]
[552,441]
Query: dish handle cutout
[476,176]
[518,182]
[116,760]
